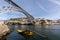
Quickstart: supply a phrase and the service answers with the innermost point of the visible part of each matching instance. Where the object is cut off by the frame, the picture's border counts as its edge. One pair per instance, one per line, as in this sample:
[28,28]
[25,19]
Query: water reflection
[44,29]
[24,27]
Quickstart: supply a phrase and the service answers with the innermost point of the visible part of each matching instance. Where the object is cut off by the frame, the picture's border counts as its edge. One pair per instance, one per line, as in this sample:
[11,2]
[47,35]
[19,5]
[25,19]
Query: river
[44,32]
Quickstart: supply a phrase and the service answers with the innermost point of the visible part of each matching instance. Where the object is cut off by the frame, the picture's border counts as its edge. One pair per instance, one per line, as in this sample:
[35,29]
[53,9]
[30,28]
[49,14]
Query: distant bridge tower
[15,6]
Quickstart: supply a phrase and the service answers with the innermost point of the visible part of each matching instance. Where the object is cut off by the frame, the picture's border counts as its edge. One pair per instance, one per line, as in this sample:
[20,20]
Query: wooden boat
[25,33]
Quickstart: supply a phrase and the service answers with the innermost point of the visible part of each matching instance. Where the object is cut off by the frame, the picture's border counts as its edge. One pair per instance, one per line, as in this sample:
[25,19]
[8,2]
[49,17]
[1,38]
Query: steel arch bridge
[15,7]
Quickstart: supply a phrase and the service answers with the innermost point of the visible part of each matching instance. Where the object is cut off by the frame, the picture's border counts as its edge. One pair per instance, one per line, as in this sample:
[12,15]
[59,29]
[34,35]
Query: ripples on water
[52,31]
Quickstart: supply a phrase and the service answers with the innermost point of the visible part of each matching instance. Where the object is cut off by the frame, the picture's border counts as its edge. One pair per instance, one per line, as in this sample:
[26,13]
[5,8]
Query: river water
[44,32]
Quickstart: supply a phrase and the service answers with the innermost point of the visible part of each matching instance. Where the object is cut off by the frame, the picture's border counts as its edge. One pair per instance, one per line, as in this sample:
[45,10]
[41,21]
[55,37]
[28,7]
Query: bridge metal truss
[15,7]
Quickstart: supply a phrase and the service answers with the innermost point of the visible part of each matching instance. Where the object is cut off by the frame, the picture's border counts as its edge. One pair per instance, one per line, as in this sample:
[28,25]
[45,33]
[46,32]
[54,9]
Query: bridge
[15,7]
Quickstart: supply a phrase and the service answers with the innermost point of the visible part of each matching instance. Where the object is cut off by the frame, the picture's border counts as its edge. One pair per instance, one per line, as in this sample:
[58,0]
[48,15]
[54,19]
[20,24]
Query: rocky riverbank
[4,30]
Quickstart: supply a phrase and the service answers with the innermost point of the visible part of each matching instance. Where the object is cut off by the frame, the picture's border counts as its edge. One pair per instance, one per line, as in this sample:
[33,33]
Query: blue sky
[49,9]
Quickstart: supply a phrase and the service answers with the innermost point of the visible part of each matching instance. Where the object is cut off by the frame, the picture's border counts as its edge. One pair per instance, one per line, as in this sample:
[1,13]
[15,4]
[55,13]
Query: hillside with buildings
[24,20]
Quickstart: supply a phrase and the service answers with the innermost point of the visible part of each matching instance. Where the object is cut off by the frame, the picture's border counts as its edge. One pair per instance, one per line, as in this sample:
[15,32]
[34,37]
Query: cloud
[41,7]
[54,12]
[55,1]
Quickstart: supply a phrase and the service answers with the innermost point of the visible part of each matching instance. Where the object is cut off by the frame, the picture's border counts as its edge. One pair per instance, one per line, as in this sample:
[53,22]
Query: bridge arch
[5,9]
[15,7]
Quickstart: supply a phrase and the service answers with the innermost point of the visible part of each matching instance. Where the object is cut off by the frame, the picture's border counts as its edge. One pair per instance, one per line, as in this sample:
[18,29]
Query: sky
[49,9]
